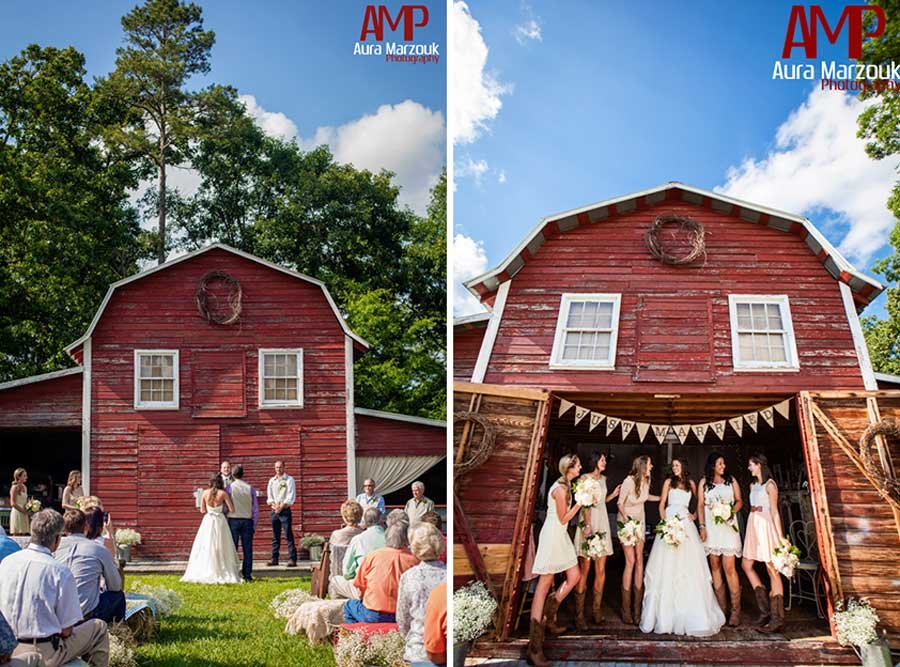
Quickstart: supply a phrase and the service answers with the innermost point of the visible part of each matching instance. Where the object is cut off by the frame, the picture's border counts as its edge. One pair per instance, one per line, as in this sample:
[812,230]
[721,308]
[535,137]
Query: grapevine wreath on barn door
[474,451]
[695,240]
[214,305]
[888,428]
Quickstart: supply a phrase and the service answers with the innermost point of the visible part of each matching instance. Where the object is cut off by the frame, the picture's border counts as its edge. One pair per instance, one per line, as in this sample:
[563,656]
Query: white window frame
[176,393]
[279,405]
[565,302]
[792,360]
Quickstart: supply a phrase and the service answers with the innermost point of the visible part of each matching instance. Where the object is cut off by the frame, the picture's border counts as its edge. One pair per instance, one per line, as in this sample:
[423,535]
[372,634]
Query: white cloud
[469,260]
[528,30]
[501,177]
[475,93]
[819,167]
[273,123]
[468,167]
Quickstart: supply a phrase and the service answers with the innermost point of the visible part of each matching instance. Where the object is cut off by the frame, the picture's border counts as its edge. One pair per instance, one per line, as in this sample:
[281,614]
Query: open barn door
[498,437]
[854,495]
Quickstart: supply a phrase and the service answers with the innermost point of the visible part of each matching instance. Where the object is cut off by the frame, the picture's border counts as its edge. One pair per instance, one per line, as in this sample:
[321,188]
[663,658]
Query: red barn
[595,343]
[215,355]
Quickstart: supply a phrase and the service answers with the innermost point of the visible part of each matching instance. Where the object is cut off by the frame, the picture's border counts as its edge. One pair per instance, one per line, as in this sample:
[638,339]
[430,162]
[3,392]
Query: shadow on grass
[200,628]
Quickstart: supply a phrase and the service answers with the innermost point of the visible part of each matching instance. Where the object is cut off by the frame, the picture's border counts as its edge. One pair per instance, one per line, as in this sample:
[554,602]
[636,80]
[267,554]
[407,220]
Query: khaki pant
[88,640]
[28,659]
[341,588]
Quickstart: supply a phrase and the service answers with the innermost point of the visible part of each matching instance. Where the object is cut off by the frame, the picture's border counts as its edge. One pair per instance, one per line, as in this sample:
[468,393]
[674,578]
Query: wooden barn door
[858,524]
[499,437]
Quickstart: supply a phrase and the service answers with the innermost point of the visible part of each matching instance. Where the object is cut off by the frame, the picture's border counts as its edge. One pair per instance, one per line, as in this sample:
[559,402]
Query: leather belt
[41,640]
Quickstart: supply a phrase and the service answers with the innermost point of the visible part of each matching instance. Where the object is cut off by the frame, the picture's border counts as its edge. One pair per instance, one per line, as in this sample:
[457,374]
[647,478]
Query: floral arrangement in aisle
[166,600]
[126,537]
[593,546]
[32,505]
[287,602]
[785,557]
[723,512]
[630,532]
[856,625]
[588,491]
[121,646]
[353,649]
[473,612]
[312,540]
[671,530]
[84,503]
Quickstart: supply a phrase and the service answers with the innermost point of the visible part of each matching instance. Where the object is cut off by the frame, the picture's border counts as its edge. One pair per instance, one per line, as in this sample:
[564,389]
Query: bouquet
[671,531]
[785,558]
[723,512]
[630,533]
[354,649]
[588,491]
[32,505]
[593,546]
[856,624]
[84,503]
[126,537]
[473,612]
[166,600]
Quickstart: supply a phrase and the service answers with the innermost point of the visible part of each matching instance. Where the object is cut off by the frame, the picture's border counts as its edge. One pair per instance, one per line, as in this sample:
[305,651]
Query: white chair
[803,536]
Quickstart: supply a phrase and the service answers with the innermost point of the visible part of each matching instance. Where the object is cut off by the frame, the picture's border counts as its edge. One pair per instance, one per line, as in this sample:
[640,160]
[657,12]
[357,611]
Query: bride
[678,592]
[213,558]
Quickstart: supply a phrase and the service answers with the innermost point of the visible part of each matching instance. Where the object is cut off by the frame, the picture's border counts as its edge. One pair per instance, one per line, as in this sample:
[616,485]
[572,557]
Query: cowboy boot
[722,597]
[535,654]
[597,607]
[762,601]
[626,607]
[580,622]
[638,604]
[551,608]
[735,619]
[775,623]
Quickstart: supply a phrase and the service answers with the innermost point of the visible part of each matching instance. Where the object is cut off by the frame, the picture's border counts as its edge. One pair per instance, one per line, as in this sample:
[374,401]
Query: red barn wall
[377,436]
[611,256]
[145,464]
[54,403]
[466,345]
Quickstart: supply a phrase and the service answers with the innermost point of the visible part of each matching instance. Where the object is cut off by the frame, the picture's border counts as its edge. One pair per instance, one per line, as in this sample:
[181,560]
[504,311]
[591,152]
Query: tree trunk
[161,204]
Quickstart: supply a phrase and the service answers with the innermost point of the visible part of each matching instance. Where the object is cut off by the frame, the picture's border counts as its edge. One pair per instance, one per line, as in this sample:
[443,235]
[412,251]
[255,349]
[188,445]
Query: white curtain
[393,472]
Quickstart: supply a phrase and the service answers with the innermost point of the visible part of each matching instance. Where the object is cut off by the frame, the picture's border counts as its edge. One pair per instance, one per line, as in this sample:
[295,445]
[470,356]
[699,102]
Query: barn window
[281,378]
[762,335]
[156,379]
[586,331]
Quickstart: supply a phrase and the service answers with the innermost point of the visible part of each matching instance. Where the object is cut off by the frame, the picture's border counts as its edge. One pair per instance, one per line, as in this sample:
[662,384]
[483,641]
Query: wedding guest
[339,544]
[280,495]
[242,521]
[8,644]
[72,492]
[7,546]
[416,585]
[378,580]
[436,626]
[722,541]
[418,504]
[226,472]
[351,514]
[99,528]
[91,564]
[39,599]
[367,541]
[633,493]
[764,534]
[596,522]
[435,520]
[555,554]
[19,523]
[368,498]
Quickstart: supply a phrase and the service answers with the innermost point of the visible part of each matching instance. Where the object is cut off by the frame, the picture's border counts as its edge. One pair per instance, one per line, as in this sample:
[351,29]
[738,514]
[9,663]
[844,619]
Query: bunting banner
[580,414]
[719,428]
[565,406]
[596,418]
[660,431]
[611,423]
[737,423]
[642,430]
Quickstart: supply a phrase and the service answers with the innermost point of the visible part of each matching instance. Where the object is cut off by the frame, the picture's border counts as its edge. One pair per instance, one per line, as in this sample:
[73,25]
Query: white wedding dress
[214,559]
[678,592]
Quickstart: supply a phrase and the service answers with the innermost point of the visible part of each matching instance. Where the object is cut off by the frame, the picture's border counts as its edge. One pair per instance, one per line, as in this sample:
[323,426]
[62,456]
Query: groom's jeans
[279,520]
[242,529]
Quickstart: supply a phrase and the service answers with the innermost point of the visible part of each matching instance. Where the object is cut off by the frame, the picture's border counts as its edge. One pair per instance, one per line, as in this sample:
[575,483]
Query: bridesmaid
[764,533]
[72,492]
[596,520]
[19,523]
[721,542]
[555,553]
[634,492]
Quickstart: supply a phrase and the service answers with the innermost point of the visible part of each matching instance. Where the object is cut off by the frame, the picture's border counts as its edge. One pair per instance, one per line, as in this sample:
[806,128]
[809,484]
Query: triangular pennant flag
[660,432]
[611,423]
[565,406]
[700,431]
[642,429]
[580,414]
[596,418]
[784,408]
[719,429]
[750,418]
[769,415]
[737,423]
[682,431]
[626,428]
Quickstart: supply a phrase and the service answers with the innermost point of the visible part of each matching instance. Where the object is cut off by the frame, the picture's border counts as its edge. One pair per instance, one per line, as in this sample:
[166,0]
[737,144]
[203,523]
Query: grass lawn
[227,626]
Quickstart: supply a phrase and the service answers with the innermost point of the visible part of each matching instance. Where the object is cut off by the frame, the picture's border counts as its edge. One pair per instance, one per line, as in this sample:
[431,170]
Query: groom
[280,495]
[242,521]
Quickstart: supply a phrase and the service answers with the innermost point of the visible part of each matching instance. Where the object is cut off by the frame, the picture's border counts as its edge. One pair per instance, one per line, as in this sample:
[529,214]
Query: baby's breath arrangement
[856,624]
[121,646]
[285,603]
[166,600]
[473,611]
[126,537]
[381,650]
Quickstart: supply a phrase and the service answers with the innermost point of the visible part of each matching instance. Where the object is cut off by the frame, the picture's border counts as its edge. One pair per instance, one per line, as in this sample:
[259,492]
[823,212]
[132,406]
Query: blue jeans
[111,607]
[279,520]
[242,529]
[355,612]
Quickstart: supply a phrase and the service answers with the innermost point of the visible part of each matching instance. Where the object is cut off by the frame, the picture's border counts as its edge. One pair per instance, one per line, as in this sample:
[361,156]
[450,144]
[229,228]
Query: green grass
[228,626]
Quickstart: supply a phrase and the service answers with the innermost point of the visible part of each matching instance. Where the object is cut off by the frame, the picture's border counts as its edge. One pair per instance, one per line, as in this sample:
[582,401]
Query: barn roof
[43,377]
[471,320]
[864,288]
[221,246]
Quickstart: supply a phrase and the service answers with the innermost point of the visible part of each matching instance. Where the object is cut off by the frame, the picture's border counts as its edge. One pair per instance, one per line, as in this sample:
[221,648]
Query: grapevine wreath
[693,229]
[207,302]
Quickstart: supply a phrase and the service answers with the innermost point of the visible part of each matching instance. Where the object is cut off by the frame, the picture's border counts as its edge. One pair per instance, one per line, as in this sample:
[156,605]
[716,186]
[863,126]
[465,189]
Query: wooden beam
[508,392]
[462,533]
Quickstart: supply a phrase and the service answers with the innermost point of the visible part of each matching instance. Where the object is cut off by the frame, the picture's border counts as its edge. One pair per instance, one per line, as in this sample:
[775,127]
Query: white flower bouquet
[593,546]
[473,612]
[287,602]
[588,491]
[32,505]
[856,624]
[671,531]
[785,557]
[353,649]
[722,512]
[126,537]
[166,600]
[630,532]
[84,503]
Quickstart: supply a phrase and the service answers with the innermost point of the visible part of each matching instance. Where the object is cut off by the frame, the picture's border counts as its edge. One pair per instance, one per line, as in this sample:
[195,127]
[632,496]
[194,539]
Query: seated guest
[370,539]
[7,546]
[418,504]
[436,626]
[351,513]
[99,528]
[90,564]
[378,579]
[435,520]
[8,643]
[416,585]
[39,599]
[397,516]
[339,544]
[368,498]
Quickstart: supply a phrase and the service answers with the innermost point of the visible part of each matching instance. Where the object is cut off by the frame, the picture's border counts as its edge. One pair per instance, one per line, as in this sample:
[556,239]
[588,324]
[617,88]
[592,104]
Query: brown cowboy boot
[535,654]
[638,604]
[626,607]
[722,597]
[762,601]
[580,622]
[776,623]
[735,619]
[551,608]
[597,607]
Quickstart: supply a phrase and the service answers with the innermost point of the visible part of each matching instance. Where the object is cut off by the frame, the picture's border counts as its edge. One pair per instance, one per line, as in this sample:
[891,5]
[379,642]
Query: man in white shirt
[280,495]
[418,504]
[242,521]
[39,599]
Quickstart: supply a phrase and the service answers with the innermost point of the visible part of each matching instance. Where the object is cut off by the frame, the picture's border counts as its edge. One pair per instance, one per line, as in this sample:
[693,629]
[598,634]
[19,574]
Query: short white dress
[762,536]
[721,538]
[555,551]
[599,524]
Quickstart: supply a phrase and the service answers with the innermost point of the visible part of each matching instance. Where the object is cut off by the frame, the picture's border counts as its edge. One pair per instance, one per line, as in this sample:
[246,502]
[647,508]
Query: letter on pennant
[682,431]
[700,431]
[626,428]
[596,418]
[611,423]
[769,415]
[580,414]
[660,432]
[719,429]
[737,423]
[750,418]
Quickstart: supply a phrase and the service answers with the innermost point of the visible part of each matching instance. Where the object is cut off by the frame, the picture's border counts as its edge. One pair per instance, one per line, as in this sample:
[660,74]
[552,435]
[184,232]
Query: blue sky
[598,99]
[295,59]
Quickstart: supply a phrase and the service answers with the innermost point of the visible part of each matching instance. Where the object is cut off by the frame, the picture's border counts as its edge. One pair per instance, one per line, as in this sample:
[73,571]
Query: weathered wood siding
[466,345]
[54,403]
[377,436]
